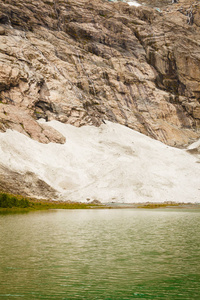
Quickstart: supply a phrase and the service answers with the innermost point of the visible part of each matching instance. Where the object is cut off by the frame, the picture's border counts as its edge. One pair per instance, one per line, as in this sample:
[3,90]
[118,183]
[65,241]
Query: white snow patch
[109,163]
[134,3]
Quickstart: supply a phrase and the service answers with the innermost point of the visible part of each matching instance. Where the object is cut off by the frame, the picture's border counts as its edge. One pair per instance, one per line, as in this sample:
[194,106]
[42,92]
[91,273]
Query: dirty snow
[109,163]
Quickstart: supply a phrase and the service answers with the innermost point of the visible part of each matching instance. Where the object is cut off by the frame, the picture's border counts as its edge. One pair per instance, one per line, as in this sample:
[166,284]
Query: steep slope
[110,163]
[83,62]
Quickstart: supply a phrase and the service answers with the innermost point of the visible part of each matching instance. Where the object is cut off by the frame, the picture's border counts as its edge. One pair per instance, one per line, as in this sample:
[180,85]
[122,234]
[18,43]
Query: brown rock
[30,185]
[19,119]
[85,62]
[2,30]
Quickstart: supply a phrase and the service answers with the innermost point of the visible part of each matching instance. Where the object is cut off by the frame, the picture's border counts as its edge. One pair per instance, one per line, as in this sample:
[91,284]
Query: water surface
[100,254]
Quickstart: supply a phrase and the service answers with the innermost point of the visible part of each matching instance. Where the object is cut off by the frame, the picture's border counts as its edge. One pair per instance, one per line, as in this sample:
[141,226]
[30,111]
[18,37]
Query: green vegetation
[43,204]
[159,205]
[16,203]
[9,201]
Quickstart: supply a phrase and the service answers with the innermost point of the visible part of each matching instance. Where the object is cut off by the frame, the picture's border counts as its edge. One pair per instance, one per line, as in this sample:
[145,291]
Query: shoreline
[44,206]
[153,205]
[17,203]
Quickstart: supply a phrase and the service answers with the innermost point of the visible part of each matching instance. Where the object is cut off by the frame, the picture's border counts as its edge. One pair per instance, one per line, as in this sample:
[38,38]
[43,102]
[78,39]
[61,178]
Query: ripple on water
[100,254]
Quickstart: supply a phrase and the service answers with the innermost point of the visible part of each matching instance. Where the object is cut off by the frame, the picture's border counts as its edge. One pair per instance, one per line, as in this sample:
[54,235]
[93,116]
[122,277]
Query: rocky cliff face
[84,62]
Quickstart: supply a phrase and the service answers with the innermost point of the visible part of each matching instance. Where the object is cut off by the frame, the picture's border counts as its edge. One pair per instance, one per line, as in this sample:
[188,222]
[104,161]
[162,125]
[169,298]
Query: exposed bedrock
[83,62]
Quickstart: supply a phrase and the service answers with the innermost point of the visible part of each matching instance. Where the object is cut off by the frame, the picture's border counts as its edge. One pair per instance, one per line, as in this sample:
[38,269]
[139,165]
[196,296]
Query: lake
[100,254]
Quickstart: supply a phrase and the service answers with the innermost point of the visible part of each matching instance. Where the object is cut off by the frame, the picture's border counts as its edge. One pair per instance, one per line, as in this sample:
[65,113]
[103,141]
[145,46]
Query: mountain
[91,63]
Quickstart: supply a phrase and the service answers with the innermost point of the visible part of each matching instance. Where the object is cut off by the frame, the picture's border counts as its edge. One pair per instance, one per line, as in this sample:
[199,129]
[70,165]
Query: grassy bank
[15,203]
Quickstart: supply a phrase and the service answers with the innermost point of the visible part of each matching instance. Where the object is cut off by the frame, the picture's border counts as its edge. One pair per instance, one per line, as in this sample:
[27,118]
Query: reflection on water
[100,254]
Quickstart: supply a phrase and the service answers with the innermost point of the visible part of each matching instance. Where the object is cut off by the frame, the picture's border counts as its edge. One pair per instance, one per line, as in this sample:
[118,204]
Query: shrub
[9,201]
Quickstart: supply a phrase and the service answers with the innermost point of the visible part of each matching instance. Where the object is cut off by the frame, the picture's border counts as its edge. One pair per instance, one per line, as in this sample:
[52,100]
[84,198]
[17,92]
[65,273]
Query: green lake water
[100,254]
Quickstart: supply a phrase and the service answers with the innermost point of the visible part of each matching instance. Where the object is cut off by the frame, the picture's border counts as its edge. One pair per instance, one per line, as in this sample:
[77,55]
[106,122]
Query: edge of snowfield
[111,163]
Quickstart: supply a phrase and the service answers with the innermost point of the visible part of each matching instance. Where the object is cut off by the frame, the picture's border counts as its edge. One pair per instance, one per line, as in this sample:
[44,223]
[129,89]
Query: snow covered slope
[109,163]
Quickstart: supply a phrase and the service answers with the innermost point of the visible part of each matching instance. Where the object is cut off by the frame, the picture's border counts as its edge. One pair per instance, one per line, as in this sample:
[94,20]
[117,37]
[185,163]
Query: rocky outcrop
[84,62]
[26,184]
